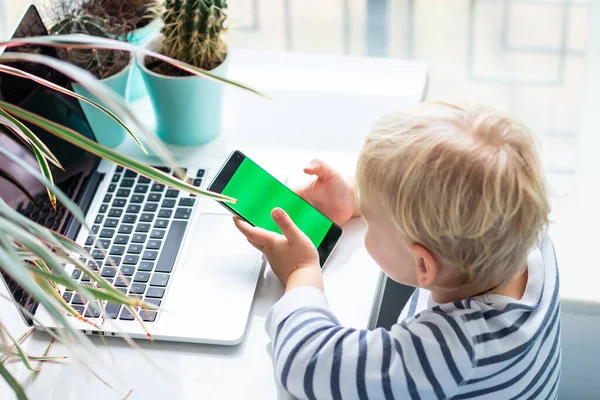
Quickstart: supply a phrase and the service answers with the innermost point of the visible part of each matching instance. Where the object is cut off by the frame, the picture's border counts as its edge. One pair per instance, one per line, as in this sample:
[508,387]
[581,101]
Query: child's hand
[329,193]
[292,256]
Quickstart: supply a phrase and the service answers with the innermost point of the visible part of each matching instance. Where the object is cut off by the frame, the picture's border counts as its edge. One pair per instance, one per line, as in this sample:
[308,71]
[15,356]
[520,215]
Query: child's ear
[427,265]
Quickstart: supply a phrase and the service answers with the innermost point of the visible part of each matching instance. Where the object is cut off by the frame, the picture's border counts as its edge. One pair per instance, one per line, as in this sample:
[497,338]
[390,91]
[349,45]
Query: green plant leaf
[91,42]
[58,88]
[29,137]
[13,383]
[5,175]
[110,154]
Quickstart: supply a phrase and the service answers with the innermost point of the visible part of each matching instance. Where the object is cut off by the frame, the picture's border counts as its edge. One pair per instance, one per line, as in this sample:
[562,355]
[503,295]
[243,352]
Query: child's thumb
[285,223]
[318,168]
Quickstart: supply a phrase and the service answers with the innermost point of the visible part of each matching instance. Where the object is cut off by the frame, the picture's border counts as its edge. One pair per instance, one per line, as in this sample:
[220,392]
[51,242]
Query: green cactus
[193,31]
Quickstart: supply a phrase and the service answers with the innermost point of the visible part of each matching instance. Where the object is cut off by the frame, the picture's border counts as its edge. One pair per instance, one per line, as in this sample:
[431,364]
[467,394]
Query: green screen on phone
[258,193]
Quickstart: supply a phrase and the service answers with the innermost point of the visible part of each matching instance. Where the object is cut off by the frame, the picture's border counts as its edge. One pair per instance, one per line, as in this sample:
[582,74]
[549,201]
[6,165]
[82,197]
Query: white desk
[322,106]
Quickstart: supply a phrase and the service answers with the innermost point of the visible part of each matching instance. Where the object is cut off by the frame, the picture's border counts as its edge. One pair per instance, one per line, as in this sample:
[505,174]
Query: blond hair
[464,181]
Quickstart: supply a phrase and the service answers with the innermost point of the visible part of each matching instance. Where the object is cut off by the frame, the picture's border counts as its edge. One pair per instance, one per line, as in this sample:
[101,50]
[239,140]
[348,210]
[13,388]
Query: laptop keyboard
[141,224]
[44,214]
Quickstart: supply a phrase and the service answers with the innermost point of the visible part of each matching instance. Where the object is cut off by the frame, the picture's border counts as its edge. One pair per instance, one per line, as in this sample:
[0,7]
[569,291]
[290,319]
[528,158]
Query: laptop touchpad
[216,246]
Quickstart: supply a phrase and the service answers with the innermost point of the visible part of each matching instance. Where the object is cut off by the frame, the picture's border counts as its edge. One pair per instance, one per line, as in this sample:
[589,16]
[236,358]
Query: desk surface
[322,106]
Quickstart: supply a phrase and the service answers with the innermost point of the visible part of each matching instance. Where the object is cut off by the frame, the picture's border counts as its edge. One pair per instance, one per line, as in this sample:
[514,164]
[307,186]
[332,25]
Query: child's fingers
[258,235]
[318,168]
[256,245]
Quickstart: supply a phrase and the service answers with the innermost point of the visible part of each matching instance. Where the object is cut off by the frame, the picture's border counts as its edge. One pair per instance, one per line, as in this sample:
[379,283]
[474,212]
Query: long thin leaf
[20,340]
[26,134]
[13,383]
[79,41]
[13,71]
[7,176]
[110,154]
[18,349]
[45,169]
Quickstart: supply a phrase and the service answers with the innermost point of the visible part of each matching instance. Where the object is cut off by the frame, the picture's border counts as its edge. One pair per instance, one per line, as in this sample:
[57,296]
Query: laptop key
[107,198]
[171,246]
[131,259]
[165,213]
[162,168]
[123,193]
[108,272]
[111,310]
[116,178]
[79,309]
[142,228]
[77,299]
[103,208]
[157,187]
[129,219]
[95,229]
[127,183]
[115,212]
[137,288]
[143,179]
[172,193]
[135,249]
[155,292]
[155,302]
[119,203]
[130,174]
[157,233]
[150,255]
[111,188]
[126,315]
[200,173]
[197,182]
[126,228]
[111,223]
[67,296]
[148,315]
[159,280]
[99,219]
[127,270]
[85,278]
[121,239]
[137,198]
[98,254]
[153,244]
[146,266]
[168,203]
[113,261]
[154,197]
[183,213]
[102,244]
[142,277]
[76,274]
[107,233]
[93,312]
[146,217]
[117,250]
[122,290]
[121,282]
[89,241]
[151,207]
[119,169]
[139,238]
[187,201]
[161,223]
[133,208]
[93,265]
[140,189]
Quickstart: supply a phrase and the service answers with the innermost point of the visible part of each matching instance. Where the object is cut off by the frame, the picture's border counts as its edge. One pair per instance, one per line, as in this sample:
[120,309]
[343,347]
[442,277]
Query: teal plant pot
[107,131]
[139,37]
[188,109]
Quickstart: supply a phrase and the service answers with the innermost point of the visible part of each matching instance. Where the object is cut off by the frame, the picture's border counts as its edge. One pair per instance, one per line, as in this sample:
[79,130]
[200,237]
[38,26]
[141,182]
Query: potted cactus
[188,108]
[132,20]
[112,67]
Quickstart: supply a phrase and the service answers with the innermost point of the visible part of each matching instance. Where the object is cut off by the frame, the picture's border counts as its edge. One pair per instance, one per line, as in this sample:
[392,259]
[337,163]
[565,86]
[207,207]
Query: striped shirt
[485,347]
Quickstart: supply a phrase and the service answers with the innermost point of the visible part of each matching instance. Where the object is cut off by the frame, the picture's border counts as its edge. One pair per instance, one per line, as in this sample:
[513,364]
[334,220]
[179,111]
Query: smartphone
[258,193]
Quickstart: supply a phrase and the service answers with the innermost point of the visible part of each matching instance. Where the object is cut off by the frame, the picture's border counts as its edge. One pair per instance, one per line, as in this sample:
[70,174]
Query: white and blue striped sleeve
[315,357]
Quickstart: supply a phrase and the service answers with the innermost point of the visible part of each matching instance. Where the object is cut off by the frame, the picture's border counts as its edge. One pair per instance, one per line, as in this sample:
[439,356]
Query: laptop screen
[78,164]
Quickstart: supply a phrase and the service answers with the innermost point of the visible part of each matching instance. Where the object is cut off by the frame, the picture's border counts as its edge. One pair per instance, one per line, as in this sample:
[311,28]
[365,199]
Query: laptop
[175,250]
